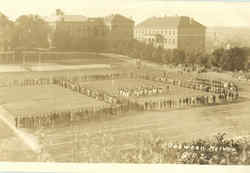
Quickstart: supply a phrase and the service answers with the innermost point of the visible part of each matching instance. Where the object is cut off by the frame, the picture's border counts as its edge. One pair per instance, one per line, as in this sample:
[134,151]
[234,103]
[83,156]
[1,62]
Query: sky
[208,12]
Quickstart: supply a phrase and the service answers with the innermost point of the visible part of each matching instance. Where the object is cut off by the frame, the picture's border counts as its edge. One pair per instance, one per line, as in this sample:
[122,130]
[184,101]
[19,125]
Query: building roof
[80,18]
[117,17]
[67,18]
[169,22]
[73,18]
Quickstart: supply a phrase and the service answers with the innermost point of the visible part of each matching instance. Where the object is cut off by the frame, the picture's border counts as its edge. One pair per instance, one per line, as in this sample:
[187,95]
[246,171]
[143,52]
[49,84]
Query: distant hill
[222,36]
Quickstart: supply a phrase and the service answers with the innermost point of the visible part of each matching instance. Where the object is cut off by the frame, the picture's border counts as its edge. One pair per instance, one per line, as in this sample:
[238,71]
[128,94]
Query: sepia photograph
[125,82]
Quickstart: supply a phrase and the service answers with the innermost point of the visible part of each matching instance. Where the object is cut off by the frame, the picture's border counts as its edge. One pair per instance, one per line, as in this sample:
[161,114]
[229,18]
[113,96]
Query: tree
[148,51]
[169,56]
[164,57]
[190,57]
[31,31]
[178,56]
[237,59]
[206,60]
[7,28]
[231,59]
[217,57]
[157,54]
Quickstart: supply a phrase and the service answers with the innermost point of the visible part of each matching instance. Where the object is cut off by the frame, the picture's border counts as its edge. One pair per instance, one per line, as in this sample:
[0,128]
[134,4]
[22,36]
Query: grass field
[83,59]
[44,99]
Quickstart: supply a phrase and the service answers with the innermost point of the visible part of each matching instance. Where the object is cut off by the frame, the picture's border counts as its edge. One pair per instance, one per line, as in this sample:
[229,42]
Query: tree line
[233,59]
[26,32]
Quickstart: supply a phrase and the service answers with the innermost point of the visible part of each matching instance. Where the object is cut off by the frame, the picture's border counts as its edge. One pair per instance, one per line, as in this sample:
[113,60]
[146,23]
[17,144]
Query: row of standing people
[217,86]
[28,82]
[40,81]
[181,102]
[66,117]
[142,91]
[90,92]
[206,88]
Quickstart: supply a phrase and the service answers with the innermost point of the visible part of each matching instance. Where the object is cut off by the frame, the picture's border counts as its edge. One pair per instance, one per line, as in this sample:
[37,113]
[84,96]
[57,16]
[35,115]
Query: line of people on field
[35,80]
[25,82]
[203,84]
[75,86]
[217,86]
[180,102]
[207,88]
[108,76]
[142,91]
[225,92]
[55,118]
[51,119]
[214,84]
[28,82]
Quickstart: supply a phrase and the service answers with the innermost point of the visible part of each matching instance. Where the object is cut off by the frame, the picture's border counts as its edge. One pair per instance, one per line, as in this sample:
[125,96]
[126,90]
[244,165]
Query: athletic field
[44,99]
[123,132]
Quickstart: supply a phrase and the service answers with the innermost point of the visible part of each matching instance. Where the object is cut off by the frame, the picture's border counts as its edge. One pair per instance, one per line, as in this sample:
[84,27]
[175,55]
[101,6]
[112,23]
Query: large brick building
[172,32]
[119,27]
[79,32]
